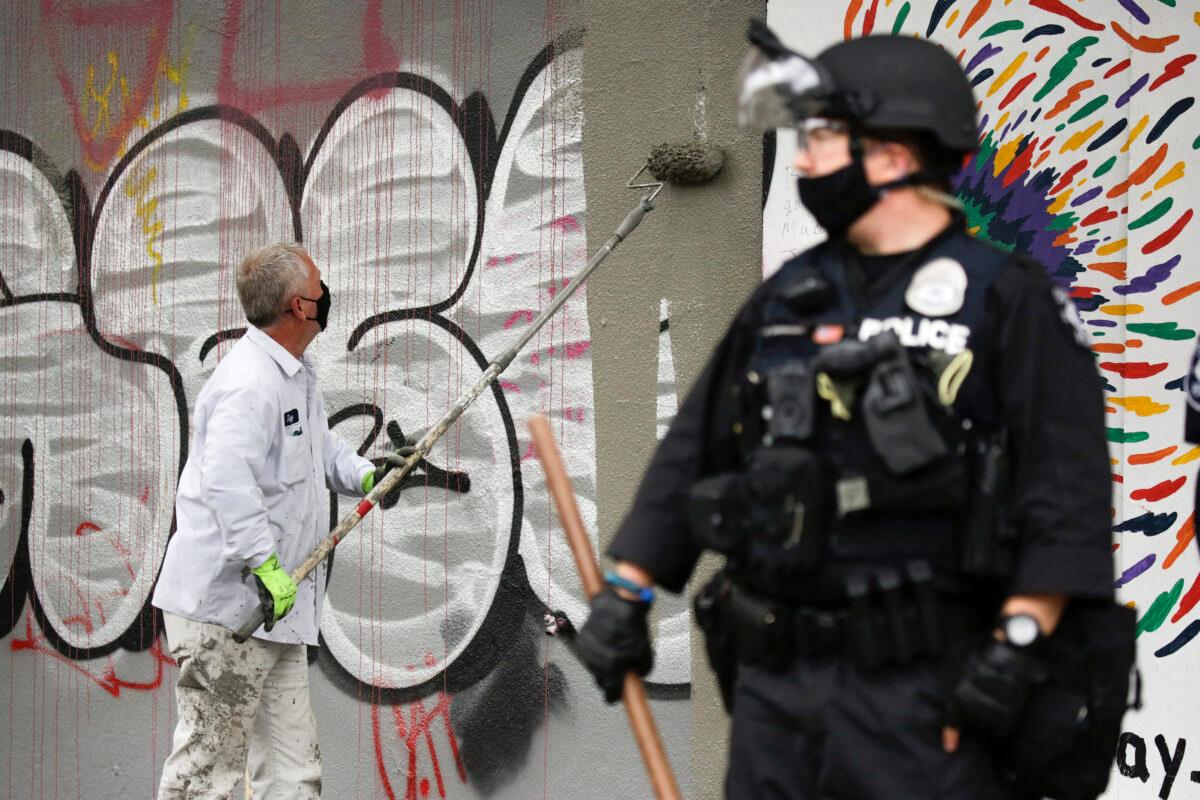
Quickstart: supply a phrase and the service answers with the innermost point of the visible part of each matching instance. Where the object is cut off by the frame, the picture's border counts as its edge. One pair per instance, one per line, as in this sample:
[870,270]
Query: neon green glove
[390,462]
[276,590]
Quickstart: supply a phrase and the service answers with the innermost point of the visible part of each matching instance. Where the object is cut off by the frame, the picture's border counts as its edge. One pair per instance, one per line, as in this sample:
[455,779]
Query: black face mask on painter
[323,303]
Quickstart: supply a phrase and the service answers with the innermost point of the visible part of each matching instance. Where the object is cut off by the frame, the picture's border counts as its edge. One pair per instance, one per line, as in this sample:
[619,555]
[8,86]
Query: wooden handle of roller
[636,705]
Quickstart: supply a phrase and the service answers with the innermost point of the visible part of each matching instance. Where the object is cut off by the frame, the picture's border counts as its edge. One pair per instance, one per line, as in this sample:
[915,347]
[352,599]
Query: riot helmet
[886,87]
[876,83]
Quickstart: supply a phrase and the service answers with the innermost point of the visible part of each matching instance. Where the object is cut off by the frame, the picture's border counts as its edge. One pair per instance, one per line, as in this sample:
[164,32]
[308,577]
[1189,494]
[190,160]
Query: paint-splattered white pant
[239,701]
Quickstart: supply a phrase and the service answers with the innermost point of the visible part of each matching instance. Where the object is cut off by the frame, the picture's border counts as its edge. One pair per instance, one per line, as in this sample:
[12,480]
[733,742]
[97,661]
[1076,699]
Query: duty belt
[890,617]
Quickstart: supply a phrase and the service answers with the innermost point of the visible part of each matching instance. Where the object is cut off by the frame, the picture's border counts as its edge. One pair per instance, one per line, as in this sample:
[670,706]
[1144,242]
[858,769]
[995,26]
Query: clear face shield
[779,92]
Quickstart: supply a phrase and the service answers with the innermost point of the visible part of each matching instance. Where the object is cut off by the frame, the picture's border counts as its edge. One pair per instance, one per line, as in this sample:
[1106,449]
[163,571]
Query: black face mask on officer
[323,303]
[839,199]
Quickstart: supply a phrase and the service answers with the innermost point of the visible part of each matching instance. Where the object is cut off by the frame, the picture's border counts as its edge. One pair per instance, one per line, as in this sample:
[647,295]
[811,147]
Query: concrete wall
[439,160]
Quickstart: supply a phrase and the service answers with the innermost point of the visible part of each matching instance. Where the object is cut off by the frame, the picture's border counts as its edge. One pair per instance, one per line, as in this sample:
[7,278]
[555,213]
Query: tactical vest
[877,454]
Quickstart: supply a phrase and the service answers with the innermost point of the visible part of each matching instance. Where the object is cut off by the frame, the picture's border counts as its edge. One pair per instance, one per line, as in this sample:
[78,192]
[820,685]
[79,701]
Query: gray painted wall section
[656,72]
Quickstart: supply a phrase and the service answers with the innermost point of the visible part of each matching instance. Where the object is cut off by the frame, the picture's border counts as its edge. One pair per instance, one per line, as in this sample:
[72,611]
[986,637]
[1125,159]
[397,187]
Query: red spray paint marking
[525,314]
[378,56]
[576,349]
[494,261]
[1068,176]
[565,223]
[1173,70]
[1102,214]
[154,16]
[1160,490]
[1017,88]
[1057,7]
[1120,66]
[107,679]
[1083,292]
[1133,369]
[86,527]
[1168,236]
[869,19]
[1188,601]
[411,732]
[1019,165]
[509,386]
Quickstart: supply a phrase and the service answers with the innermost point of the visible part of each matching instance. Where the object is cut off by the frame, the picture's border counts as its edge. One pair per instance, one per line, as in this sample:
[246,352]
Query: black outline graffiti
[73,196]
[475,125]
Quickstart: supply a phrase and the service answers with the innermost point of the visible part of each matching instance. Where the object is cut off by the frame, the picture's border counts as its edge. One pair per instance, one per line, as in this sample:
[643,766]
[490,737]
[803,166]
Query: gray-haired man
[251,505]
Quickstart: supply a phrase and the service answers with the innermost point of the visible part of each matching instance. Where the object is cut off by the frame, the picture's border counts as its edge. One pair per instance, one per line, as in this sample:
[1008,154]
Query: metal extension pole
[256,618]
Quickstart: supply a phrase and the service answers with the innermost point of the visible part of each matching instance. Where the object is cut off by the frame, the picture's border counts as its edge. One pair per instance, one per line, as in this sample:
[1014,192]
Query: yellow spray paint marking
[1142,406]
[1004,155]
[108,109]
[1004,77]
[1190,455]
[1172,175]
[152,224]
[103,100]
[1133,134]
[1111,247]
[950,22]
[1080,138]
[1122,310]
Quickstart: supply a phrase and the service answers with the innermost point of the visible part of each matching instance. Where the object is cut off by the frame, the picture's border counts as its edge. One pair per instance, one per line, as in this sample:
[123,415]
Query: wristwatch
[1021,630]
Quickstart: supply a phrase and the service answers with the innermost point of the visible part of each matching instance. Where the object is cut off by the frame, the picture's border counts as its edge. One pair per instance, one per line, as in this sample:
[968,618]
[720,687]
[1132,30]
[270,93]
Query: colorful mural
[1087,162]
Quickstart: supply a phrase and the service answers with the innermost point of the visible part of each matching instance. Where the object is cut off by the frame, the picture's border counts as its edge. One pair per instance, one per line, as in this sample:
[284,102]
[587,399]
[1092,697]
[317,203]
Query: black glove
[615,640]
[991,693]
[389,462]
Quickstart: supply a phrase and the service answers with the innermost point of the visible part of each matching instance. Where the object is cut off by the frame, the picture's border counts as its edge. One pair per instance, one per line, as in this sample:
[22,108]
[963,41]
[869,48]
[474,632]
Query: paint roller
[687,163]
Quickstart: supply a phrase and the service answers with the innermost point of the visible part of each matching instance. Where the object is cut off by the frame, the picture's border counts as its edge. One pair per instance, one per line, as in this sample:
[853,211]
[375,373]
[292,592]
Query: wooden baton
[634,694]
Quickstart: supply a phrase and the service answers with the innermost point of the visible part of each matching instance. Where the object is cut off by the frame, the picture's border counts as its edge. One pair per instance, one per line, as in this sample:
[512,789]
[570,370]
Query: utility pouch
[762,631]
[1067,739]
[716,512]
[988,537]
[790,394]
[893,616]
[784,510]
[897,418]
[711,605]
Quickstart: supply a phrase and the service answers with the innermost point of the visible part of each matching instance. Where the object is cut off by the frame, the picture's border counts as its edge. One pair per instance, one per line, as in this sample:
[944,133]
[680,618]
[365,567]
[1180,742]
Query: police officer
[899,448]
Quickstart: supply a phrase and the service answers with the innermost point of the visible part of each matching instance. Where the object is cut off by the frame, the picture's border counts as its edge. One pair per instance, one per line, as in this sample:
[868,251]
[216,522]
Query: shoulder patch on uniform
[1070,315]
[937,289]
[1191,381]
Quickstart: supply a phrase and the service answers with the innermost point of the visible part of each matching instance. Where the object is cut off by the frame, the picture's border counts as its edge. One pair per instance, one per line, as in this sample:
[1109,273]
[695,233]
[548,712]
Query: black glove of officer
[615,640]
[992,692]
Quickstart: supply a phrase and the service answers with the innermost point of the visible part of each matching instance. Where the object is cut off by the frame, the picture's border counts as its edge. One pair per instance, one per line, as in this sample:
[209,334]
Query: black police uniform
[811,718]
